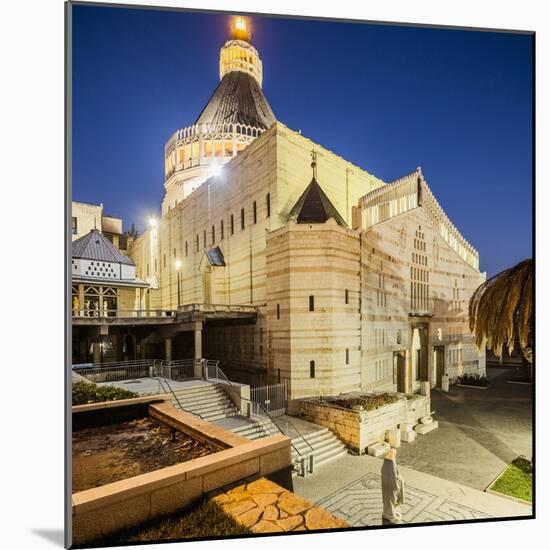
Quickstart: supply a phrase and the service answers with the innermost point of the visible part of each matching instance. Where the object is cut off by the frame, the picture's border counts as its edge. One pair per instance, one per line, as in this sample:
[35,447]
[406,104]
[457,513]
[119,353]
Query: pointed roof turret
[314,206]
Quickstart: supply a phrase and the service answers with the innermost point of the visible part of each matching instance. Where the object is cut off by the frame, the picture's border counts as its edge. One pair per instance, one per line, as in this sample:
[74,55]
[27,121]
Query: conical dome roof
[314,206]
[238,99]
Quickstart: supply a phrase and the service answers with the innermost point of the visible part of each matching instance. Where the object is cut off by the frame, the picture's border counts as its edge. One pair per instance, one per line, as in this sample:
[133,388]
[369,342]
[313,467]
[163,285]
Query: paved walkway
[350,488]
[480,432]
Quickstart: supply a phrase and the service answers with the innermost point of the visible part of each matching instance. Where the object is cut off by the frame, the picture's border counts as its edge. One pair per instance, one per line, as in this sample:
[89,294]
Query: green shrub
[369,402]
[474,380]
[84,392]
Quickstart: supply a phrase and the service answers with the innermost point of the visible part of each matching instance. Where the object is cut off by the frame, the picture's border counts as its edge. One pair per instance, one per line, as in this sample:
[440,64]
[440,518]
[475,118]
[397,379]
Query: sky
[388,98]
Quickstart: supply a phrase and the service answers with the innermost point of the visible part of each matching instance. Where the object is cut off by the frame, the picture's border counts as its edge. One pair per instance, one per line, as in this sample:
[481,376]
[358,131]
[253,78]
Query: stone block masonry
[360,429]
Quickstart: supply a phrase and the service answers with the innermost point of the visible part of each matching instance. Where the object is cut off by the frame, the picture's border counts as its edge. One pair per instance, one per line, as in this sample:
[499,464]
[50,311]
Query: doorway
[400,371]
[439,358]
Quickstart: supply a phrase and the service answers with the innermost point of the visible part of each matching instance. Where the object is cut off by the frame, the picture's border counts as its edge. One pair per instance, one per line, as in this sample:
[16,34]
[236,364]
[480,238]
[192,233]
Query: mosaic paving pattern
[360,504]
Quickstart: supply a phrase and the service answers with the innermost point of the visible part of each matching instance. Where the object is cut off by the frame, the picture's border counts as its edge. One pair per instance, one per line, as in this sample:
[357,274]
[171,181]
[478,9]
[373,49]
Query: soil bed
[118,451]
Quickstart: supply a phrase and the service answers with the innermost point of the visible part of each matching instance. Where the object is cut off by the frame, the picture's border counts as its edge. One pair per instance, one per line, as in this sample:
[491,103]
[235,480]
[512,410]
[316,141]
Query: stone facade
[374,297]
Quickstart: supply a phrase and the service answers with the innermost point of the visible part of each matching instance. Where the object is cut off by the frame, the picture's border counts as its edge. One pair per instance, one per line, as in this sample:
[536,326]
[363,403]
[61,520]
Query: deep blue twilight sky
[387,98]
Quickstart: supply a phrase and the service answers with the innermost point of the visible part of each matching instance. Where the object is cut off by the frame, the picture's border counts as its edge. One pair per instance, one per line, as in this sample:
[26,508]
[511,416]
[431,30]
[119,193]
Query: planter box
[475,387]
[104,510]
[360,429]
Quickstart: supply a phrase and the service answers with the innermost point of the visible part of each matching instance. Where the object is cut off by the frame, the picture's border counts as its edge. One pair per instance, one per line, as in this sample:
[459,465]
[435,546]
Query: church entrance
[420,359]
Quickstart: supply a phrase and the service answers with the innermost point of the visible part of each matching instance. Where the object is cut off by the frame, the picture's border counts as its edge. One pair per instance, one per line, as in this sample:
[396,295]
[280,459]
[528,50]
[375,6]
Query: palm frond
[501,311]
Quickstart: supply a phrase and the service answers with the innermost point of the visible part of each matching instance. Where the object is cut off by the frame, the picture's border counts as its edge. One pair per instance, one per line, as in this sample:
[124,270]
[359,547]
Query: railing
[184,369]
[117,370]
[124,313]
[164,385]
[273,396]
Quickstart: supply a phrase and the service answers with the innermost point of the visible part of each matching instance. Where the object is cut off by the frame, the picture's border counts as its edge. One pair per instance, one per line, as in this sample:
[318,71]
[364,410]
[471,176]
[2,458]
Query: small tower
[238,54]
[235,115]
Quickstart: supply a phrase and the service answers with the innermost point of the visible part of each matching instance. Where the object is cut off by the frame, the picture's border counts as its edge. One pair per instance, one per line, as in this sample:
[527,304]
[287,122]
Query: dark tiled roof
[314,206]
[215,256]
[238,99]
[95,246]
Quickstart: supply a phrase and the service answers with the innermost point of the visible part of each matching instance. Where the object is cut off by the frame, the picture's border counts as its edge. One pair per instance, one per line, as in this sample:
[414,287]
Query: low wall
[109,412]
[101,511]
[239,394]
[359,429]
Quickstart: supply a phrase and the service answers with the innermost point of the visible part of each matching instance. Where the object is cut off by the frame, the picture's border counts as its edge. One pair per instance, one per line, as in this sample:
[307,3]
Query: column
[96,352]
[168,349]
[198,349]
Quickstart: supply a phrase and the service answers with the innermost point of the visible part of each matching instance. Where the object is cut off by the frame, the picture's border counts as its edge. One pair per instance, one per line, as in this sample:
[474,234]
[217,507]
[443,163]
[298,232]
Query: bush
[474,380]
[368,402]
[84,392]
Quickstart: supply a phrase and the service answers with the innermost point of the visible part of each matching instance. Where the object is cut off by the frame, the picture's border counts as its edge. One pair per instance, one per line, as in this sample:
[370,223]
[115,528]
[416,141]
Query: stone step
[323,459]
[198,390]
[200,402]
[314,441]
[208,408]
[199,394]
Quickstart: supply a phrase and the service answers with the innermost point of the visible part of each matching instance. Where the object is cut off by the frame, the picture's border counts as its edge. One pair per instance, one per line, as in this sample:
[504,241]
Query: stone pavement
[480,432]
[350,488]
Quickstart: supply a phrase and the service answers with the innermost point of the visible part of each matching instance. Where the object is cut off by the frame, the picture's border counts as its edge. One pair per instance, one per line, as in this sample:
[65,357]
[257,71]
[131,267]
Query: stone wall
[359,429]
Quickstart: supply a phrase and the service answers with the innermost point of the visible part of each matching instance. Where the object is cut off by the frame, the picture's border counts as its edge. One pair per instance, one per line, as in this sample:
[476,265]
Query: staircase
[323,445]
[208,401]
[253,431]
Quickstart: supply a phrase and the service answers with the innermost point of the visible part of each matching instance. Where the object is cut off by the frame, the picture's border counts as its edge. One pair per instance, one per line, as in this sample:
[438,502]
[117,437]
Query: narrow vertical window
[347,356]
[75,226]
[186,249]
[221,231]
[242,219]
[174,252]
[254,212]
[155,265]
[278,311]
[311,303]
[197,242]
[164,261]
[346,296]
[312,369]
[204,239]
[268,204]
[213,234]
[232,224]
[147,270]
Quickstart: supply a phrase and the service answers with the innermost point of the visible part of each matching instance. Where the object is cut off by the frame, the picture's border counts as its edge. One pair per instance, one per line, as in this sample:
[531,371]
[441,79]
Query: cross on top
[314,163]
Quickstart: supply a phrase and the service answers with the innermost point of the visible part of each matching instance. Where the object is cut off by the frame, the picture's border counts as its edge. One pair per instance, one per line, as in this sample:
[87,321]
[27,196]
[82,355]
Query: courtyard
[447,471]
[480,432]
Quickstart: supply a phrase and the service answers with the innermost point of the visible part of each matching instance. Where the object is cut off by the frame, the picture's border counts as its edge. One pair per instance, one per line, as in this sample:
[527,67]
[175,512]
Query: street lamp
[178,268]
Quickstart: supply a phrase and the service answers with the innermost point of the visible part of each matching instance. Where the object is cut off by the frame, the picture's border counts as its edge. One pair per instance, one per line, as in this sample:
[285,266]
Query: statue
[393,490]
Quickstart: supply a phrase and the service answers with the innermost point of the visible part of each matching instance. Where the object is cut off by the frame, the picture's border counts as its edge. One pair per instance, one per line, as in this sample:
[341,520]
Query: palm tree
[501,311]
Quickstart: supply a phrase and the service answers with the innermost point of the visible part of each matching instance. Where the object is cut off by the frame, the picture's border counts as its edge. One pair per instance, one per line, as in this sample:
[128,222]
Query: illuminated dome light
[239,29]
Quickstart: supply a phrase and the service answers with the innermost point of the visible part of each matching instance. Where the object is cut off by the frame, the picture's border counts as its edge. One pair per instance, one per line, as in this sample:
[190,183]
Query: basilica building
[288,263]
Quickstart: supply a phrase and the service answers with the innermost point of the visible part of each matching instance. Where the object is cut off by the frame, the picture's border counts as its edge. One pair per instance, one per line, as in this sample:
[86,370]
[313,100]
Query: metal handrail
[161,380]
[124,313]
[262,408]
